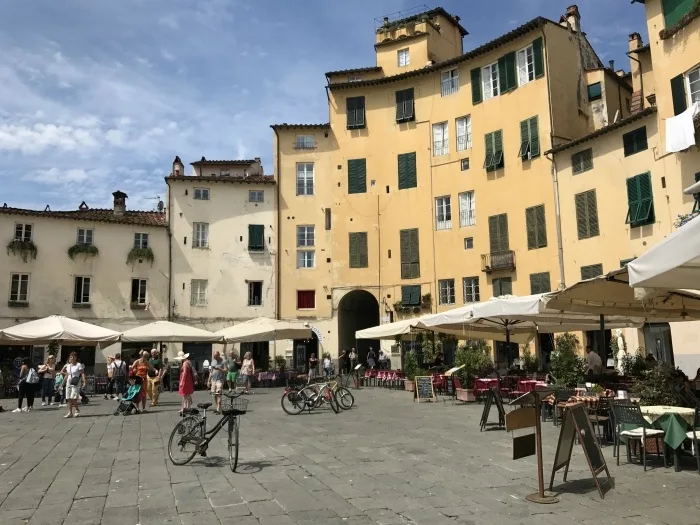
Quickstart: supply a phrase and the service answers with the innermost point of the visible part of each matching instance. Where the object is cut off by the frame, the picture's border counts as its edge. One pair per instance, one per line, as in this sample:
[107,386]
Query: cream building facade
[428,188]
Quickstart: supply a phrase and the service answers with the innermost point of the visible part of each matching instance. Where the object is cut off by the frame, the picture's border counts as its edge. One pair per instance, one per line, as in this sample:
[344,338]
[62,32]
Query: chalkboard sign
[174,377]
[424,389]
[577,424]
[89,385]
[494,396]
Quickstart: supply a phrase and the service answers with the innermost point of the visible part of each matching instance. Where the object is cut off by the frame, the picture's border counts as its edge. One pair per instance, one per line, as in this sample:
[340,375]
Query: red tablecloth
[483,385]
[528,385]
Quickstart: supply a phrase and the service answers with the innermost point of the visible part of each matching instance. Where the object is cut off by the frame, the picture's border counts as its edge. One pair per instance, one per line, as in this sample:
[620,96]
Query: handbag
[74,380]
[32,377]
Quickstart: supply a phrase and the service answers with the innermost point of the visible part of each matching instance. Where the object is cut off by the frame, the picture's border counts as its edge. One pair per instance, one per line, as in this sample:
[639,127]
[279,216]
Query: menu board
[424,388]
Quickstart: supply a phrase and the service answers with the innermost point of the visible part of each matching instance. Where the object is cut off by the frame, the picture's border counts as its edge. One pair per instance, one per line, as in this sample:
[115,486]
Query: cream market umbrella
[674,263]
[57,328]
[264,329]
[168,332]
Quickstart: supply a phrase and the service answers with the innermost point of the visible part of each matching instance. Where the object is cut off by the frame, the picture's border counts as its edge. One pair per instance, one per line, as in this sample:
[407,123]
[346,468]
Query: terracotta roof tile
[250,179]
[370,69]
[284,125]
[138,218]
[235,162]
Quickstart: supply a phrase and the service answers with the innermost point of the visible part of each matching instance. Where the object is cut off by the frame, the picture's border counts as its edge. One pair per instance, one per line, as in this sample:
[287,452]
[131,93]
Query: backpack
[32,377]
[120,371]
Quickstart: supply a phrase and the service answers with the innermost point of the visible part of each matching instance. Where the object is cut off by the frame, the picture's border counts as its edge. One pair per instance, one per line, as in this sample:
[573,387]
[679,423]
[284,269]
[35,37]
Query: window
[467,209]
[468,243]
[536,227]
[494,151]
[470,289]
[138,291]
[591,271]
[696,206]
[407,171]
[450,82]
[529,139]
[198,292]
[587,214]
[256,196]
[85,236]
[404,57]
[526,65]
[640,201]
[305,178]
[410,258]
[464,133]
[304,142]
[355,110]
[446,289]
[328,219]
[255,293]
[502,286]
[441,141]
[404,105]
[201,194]
[140,240]
[490,80]
[19,288]
[410,295]
[635,141]
[464,164]
[354,78]
[201,235]
[693,81]
[498,233]
[256,237]
[225,172]
[443,213]
[357,176]
[306,259]
[595,92]
[306,256]
[582,161]
[23,232]
[539,283]
[81,290]
[674,10]
[358,250]
[306,299]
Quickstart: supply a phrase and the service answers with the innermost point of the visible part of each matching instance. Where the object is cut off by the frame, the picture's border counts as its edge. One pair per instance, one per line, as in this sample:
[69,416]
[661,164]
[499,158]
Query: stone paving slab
[387,461]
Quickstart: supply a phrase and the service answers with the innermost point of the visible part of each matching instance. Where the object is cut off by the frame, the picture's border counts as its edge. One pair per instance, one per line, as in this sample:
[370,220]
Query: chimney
[612,65]
[386,21]
[573,17]
[635,41]
[119,202]
[178,168]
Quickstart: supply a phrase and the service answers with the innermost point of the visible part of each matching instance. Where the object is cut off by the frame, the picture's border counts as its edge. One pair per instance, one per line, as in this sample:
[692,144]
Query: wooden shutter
[358,250]
[592,214]
[540,283]
[400,98]
[536,227]
[502,74]
[498,148]
[488,160]
[415,254]
[410,257]
[635,141]
[409,104]
[646,208]
[353,250]
[538,57]
[680,102]
[587,215]
[405,252]
[524,139]
[410,295]
[534,137]
[350,112]
[633,201]
[591,271]
[476,86]
[256,237]
[498,233]
[407,171]
[507,72]
[357,176]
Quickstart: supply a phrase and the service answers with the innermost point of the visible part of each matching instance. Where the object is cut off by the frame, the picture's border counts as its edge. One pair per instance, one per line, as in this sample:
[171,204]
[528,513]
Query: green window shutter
[633,201]
[680,102]
[581,216]
[534,137]
[591,271]
[498,149]
[476,86]
[587,215]
[404,105]
[503,74]
[506,72]
[674,10]
[640,201]
[541,226]
[256,237]
[410,258]
[524,139]
[511,70]
[362,246]
[592,213]
[538,57]
[410,295]
[357,176]
[355,107]
[358,250]
[407,171]
[488,161]
[402,171]
[400,99]
[531,228]
[415,254]
[353,250]
[498,233]
[635,141]
[540,283]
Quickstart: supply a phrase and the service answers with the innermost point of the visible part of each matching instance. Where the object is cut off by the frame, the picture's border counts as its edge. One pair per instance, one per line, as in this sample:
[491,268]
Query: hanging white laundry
[680,131]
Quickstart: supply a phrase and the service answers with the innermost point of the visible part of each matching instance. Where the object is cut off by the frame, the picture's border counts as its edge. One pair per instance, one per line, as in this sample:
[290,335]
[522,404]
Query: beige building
[224,241]
[104,266]
[620,189]
[428,188]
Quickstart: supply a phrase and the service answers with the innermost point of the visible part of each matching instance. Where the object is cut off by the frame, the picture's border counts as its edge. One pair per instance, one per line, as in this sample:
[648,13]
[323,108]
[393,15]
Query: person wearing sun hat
[186,379]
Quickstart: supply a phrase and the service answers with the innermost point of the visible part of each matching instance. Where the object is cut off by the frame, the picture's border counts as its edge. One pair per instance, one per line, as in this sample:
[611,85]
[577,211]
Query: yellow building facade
[429,188]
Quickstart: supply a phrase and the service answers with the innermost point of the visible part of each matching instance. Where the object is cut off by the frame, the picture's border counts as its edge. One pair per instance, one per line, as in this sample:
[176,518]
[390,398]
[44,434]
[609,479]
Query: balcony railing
[464,142]
[498,261]
[450,86]
[305,144]
[443,225]
[467,218]
[441,147]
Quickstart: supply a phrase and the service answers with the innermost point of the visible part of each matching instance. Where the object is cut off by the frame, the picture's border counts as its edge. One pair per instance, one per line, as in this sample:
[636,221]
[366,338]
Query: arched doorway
[357,310]
[302,350]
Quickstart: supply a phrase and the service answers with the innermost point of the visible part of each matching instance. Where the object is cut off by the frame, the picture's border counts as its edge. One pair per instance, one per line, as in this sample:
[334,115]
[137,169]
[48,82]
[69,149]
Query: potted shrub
[88,250]
[565,365]
[475,355]
[634,365]
[411,368]
[280,363]
[529,362]
[25,249]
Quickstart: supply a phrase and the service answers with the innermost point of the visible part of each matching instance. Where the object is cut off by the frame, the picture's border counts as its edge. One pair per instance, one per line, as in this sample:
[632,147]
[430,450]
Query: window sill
[305,309]
[82,305]
[200,247]
[355,127]
[198,305]
[254,305]
[18,304]
[404,120]
[694,13]
[256,250]
[139,306]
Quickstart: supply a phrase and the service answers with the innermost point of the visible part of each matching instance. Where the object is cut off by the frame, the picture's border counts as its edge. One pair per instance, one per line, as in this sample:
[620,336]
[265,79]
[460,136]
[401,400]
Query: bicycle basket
[235,406]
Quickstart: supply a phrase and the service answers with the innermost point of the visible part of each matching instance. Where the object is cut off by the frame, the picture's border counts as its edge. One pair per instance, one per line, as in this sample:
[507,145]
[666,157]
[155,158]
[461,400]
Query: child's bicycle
[190,436]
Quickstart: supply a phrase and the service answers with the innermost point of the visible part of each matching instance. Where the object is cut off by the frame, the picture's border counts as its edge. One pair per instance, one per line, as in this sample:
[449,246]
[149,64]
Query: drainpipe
[555,179]
[279,230]
[433,292]
[169,230]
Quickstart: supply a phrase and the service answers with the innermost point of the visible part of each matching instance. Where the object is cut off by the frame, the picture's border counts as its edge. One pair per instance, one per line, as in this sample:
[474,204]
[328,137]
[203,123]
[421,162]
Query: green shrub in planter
[565,364]
[88,250]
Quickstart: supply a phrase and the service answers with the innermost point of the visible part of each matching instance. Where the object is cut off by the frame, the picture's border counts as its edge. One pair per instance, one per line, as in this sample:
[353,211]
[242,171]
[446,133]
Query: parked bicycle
[296,399]
[190,436]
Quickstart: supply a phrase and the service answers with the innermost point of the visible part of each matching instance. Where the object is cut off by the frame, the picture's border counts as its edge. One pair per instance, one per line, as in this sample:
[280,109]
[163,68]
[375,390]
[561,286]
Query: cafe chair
[599,416]
[561,399]
[613,424]
[632,415]
[694,435]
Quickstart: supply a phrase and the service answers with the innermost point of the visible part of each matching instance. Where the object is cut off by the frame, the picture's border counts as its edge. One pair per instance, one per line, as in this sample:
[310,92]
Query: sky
[99,96]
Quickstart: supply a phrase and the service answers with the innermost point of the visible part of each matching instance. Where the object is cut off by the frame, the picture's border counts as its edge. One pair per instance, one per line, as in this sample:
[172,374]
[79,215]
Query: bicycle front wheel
[293,402]
[184,440]
[233,426]
[345,398]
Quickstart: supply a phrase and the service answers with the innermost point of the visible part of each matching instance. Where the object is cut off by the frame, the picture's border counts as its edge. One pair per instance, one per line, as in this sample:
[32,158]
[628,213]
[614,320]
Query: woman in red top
[140,369]
[186,379]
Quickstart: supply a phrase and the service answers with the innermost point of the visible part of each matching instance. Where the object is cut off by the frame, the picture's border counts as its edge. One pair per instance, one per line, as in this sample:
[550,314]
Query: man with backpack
[120,373]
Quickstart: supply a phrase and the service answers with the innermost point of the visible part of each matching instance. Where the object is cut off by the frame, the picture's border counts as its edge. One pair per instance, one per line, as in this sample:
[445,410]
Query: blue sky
[97,96]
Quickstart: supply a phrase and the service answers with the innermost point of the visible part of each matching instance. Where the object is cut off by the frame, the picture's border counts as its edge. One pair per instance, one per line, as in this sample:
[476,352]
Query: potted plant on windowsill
[140,254]
[88,250]
[25,249]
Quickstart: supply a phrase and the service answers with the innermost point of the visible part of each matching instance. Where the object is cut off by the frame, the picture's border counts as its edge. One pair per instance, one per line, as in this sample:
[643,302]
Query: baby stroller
[128,403]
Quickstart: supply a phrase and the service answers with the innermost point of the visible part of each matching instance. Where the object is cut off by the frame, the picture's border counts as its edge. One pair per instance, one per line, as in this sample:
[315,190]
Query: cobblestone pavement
[387,461]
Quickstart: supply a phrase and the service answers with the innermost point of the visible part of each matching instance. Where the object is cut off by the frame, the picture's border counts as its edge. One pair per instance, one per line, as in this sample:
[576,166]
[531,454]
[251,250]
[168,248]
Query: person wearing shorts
[232,367]
[217,373]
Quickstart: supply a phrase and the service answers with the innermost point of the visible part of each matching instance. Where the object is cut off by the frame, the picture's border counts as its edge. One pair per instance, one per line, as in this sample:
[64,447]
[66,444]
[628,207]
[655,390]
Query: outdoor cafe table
[528,385]
[483,385]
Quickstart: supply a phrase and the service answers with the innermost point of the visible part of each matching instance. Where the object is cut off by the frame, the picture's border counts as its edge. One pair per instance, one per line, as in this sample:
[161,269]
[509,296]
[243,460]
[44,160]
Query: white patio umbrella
[264,329]
[168,332]
[674,263]
[57,328]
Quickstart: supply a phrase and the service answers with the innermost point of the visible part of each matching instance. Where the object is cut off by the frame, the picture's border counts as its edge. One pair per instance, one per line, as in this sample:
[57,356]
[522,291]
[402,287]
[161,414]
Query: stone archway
[357,310]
